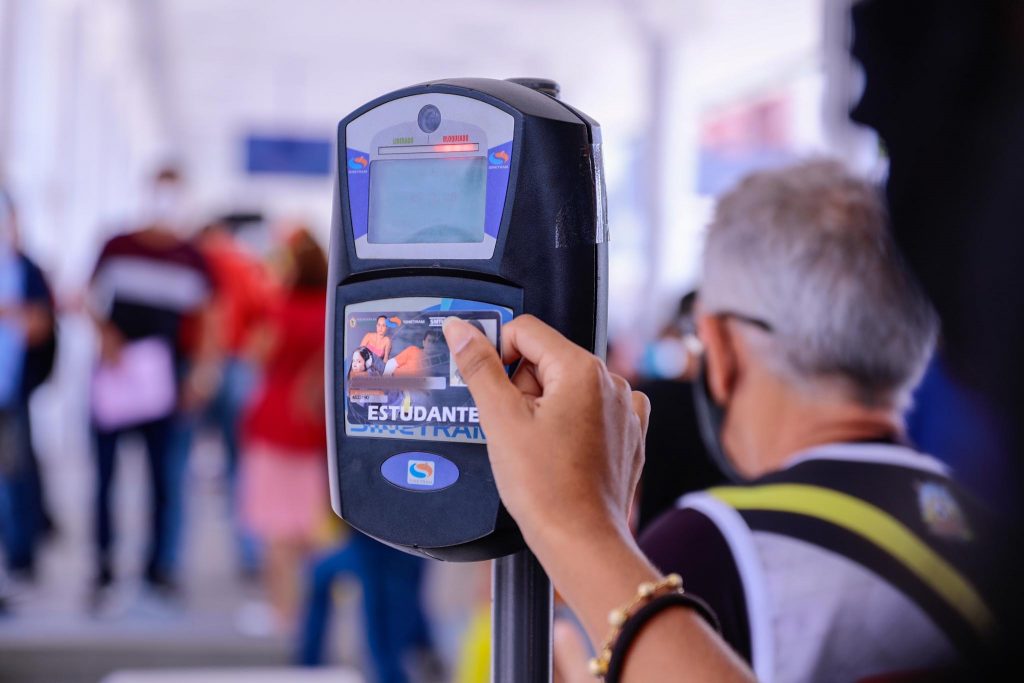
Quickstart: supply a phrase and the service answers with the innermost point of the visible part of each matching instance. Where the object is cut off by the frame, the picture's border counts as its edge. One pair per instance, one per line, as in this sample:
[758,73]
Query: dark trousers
[20,493]
[392,609]
[224,412]
[156,435]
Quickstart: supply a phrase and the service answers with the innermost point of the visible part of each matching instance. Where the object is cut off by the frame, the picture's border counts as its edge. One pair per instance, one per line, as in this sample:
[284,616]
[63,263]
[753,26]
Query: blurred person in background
[27,353]
[144,284]
[846,553]
[677,461]
[398,636]
[243,293]
[674,353]
[283,486]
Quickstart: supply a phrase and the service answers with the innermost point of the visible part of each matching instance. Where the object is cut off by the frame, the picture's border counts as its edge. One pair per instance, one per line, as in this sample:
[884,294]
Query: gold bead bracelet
[645,592]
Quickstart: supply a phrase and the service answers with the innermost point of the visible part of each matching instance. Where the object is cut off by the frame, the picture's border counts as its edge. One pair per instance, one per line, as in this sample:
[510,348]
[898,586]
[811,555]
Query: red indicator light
[456,148]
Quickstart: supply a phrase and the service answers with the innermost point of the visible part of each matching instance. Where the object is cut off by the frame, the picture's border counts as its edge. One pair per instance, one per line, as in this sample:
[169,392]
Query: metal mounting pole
[521,620]
[523,600]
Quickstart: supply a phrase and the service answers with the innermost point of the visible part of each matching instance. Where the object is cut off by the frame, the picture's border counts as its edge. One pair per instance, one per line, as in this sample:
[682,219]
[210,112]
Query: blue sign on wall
[285,155]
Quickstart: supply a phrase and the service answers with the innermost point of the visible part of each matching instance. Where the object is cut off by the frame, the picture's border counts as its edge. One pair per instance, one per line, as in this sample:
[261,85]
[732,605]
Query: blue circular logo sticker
[419,471]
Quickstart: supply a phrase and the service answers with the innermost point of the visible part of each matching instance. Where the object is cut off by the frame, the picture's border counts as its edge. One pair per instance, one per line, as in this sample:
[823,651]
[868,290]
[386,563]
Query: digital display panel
[427,201]
[400,380]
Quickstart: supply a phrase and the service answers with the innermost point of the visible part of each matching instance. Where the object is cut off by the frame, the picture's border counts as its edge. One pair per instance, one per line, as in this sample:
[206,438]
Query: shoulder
[913,488]
[121,243]
[691,542]
[669,538]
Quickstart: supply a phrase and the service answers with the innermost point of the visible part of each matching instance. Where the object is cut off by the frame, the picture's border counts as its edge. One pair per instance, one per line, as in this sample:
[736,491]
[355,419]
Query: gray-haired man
[845,554]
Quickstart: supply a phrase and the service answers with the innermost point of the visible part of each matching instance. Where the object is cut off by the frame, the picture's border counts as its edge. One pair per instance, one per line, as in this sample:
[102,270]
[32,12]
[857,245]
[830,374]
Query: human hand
[565,441]
[564,435]
[201,383]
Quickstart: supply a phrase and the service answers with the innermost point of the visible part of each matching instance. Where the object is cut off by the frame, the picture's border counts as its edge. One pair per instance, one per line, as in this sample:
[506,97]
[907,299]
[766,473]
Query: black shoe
[424,665]
[100,591]
[23,573]
[48,530]
[162,584]
[104,577]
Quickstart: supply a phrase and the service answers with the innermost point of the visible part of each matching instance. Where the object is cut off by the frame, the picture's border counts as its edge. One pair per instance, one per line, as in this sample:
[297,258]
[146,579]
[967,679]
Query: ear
[720,361]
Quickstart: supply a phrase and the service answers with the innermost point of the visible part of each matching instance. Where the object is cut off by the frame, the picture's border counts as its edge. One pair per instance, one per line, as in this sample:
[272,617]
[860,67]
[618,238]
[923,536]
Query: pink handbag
[139,388]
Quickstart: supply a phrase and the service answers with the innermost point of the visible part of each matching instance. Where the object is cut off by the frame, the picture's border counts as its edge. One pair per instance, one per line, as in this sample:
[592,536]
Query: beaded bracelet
[645,592]
[632,628]
[626,622]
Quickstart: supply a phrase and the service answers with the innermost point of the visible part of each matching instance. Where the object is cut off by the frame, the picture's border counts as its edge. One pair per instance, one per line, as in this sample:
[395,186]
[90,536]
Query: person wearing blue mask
[677,460]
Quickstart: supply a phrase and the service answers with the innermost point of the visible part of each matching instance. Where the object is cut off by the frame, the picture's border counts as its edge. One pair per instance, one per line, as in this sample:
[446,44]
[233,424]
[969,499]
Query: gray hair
[807,250]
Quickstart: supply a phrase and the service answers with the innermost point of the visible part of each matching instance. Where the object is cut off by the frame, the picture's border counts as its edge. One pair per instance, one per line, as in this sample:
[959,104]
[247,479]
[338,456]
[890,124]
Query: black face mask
[711,418]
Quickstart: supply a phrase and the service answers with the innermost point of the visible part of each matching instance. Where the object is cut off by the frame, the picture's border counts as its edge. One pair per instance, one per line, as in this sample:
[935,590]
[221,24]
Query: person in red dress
[284,486]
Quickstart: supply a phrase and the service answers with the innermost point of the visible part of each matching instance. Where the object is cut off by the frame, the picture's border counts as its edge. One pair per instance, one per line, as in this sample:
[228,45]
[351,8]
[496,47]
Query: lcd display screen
[427,201]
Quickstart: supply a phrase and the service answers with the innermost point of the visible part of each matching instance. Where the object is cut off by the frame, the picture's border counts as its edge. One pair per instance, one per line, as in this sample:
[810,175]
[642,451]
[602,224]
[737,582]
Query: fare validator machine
[482,199]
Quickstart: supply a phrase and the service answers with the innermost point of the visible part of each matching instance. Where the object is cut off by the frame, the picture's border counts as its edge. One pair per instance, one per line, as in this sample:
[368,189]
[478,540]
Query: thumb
[481,369]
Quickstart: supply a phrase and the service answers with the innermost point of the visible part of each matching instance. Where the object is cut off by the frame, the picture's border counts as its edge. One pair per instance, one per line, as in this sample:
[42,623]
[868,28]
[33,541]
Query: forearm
[599,571]
[678,645]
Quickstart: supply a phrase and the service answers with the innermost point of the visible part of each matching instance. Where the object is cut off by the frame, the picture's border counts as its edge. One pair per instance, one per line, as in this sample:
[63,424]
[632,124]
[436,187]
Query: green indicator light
[401,141]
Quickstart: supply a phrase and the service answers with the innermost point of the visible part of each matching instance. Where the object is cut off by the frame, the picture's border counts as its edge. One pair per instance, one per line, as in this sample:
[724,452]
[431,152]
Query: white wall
[302,66]
[83,127]
[106,89]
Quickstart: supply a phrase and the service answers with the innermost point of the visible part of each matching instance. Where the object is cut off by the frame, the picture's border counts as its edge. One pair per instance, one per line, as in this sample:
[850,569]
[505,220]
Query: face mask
[168,206]
[664,359]
[711,419]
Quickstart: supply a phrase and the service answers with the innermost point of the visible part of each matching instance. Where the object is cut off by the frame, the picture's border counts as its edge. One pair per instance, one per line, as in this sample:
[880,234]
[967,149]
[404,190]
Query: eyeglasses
[763,325]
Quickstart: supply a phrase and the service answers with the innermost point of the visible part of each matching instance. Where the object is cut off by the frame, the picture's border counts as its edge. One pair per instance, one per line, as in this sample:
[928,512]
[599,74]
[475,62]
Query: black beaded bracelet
[631,628]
